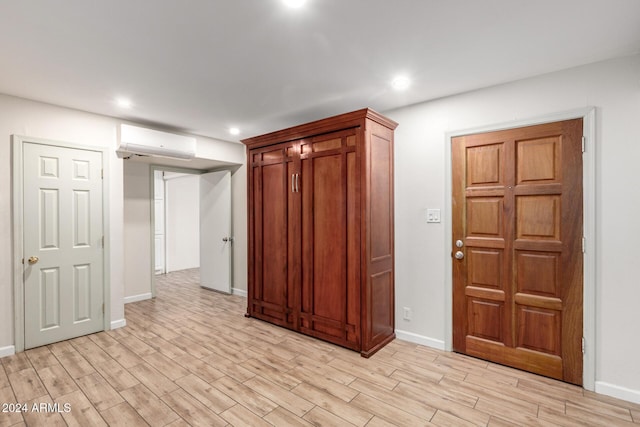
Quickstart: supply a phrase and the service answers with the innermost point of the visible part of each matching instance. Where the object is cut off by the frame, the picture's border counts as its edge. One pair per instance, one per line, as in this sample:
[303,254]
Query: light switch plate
[433,215]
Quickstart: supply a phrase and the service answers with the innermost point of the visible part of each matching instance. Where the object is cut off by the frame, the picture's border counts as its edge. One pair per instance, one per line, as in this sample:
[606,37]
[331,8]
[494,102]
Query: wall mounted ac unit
[148,142]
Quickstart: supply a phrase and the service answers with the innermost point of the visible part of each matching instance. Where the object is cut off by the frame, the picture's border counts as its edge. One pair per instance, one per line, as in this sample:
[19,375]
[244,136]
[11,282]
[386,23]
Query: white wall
[137,234]
[35,119]
[182,201]
[613,87]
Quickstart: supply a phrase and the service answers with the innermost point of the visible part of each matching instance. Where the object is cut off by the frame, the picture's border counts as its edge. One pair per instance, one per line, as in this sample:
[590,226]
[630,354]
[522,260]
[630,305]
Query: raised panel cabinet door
[63,238]
[273,225]
[330,299]
[517,277]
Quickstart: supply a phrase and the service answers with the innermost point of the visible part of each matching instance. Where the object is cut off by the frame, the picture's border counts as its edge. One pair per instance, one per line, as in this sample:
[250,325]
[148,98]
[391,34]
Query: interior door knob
[459,255]
[33,259]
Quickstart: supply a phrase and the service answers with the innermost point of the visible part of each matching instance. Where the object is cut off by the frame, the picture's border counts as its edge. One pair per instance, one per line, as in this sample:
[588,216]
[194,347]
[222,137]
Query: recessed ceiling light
[294,3]
[124,103]
[234,131]
[400,82]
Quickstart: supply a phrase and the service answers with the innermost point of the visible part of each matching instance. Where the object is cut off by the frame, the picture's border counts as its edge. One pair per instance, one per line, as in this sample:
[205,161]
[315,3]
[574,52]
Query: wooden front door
[517,248]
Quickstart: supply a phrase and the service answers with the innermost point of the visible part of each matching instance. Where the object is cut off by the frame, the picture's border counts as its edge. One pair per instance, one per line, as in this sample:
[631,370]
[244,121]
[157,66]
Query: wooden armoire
[321,250]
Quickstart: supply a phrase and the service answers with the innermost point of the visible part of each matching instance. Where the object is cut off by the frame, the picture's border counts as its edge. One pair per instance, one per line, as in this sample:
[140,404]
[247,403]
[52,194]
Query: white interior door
[215,231]
[63,243]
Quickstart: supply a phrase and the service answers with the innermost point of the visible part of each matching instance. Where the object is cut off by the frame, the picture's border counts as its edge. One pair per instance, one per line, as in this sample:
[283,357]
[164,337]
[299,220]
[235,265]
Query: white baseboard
[420,339]
[7,351]
[239,292]
[136,298]
[618,392]
[118,324]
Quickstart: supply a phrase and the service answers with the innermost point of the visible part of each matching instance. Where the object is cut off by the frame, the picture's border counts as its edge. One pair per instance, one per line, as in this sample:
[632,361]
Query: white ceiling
[201,66]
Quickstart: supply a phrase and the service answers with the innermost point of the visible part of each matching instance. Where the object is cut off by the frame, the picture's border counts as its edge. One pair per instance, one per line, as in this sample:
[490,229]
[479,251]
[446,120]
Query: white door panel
[63,283]
[215,231]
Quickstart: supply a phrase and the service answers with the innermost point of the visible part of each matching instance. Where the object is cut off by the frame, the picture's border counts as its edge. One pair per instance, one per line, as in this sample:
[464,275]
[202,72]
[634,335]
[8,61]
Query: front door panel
[517,213]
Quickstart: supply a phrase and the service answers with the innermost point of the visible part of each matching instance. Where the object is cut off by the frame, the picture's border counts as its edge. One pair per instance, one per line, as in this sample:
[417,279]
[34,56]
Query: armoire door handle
[295,186]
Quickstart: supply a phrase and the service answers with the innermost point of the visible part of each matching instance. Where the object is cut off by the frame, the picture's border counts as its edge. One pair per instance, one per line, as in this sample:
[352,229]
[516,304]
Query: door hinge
[584,245]
[582,345]
[102,171]
[584,144]
[23,260]
[102,308]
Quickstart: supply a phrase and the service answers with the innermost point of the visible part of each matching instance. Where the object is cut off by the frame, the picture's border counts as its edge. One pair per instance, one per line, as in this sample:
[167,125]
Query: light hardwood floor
[189,357]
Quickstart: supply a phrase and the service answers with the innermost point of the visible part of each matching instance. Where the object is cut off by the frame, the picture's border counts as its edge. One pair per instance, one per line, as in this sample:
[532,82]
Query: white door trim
[18,230]
[589,215]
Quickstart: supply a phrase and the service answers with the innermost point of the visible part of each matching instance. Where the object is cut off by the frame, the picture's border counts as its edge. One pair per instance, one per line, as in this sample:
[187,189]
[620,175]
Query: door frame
[17,144]
[588,115]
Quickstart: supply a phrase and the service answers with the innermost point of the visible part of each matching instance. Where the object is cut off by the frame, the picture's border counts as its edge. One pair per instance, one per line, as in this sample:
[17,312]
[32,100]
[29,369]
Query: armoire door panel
[325,233]
[328,235]
[270,245]
[274,233]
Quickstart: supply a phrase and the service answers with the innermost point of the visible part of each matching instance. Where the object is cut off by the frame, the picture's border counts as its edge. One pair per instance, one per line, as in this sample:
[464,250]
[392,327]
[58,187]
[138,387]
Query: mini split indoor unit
[140,141]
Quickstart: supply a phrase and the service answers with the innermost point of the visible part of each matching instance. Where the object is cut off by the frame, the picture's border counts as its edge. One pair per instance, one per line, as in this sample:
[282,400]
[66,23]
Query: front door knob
[459,255]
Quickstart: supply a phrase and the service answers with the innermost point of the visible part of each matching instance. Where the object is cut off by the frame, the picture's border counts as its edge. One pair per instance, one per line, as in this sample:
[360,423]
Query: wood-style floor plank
[26,385]
[189,357]
[101,394]
[149,406]
[11,417]
[123,415]
[207,394]
[81,411]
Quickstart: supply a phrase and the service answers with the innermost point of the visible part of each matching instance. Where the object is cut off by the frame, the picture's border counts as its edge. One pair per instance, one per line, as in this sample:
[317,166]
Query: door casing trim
[17,144]
[588,115]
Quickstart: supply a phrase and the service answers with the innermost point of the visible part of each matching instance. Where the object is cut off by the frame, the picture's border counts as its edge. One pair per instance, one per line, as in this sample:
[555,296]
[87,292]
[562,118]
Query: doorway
[202,207]
[589,157]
